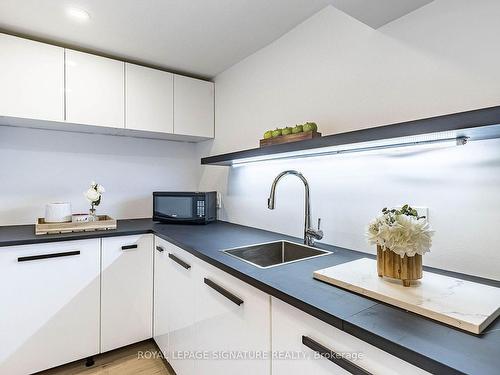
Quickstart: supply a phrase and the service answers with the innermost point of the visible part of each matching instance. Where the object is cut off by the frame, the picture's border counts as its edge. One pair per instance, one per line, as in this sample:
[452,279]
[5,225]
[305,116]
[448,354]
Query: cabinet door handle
[128,247]
[179,261]
[47,256]
[159,248]
[333,357]
[230,296]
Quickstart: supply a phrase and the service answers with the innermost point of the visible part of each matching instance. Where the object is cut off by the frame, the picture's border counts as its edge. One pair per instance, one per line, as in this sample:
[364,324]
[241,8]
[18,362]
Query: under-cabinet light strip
[458,141]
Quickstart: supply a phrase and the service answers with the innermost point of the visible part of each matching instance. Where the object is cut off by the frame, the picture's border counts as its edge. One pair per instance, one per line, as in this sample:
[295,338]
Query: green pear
[268,134]
[276,132]
[310,127]
[297,129]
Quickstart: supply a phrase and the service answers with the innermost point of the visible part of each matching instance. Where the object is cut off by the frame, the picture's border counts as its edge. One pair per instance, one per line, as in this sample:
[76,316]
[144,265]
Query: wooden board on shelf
[104,223]
[289,138]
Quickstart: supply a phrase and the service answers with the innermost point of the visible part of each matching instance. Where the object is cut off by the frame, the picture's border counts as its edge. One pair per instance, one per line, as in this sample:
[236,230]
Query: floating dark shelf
[477,124]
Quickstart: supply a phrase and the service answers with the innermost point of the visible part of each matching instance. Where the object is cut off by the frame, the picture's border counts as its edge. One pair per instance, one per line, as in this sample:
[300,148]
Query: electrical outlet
[219,200]
[423,211]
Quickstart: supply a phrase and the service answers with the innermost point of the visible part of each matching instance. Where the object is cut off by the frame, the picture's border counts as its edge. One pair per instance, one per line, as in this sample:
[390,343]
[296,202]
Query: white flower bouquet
[401,231]
[94,195]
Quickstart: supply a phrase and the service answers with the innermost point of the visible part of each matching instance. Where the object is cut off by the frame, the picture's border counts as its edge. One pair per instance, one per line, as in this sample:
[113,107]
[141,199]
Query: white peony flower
[100,189]
[402,234]
[92,195]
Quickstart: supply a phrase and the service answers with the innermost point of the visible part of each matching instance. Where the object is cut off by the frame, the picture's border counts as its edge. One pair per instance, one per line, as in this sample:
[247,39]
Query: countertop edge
[83,236]
[400,351]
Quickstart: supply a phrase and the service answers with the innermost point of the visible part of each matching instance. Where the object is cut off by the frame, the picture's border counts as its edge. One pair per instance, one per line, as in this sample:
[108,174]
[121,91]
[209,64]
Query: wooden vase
[390,264]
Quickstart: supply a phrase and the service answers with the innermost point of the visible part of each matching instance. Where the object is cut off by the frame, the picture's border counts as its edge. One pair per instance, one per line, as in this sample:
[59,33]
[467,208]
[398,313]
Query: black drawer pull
[179,261]
[230,296]
[333,357]
[128,247]
[47,256]
[159,248]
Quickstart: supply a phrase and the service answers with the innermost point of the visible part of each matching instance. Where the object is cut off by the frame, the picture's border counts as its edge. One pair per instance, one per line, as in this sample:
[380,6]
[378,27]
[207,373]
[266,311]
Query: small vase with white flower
[94,196]
[402,237]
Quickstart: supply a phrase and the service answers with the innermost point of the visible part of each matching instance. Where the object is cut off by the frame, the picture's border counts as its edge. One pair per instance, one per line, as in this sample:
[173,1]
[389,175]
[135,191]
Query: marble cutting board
[463,304]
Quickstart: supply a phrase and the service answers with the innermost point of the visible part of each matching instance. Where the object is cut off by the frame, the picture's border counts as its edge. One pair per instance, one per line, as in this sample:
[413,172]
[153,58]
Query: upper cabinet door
[31,79]
[95,90]
[149,99]
[193,107]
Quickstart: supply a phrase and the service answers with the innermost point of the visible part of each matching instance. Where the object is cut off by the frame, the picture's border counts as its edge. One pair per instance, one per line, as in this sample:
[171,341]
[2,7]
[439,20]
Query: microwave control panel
[200,208]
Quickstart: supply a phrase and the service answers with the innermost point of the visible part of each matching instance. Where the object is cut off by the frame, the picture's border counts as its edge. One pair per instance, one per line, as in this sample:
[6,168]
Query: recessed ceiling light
[78,14]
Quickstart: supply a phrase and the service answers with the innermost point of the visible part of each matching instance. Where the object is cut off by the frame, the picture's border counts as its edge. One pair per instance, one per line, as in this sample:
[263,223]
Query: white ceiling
[198,37]
[376,13]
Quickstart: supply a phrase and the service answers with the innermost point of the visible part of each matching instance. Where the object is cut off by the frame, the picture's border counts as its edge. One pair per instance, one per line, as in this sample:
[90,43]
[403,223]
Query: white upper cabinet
[51,84]
[149,99]
[31,79]
[95,90]
[193,107]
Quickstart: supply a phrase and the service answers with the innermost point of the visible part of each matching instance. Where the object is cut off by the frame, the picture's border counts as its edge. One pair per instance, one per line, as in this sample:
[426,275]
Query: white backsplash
[459,185]
[40,166]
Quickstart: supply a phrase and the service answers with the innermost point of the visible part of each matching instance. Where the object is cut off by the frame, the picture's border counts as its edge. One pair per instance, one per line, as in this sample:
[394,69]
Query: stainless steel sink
[273,254]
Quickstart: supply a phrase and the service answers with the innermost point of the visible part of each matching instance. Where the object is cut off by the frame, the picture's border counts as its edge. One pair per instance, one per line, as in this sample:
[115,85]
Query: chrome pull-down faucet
[310,234]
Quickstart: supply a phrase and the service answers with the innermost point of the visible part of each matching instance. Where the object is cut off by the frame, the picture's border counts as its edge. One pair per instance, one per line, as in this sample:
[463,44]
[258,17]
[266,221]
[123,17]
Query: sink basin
[272,254]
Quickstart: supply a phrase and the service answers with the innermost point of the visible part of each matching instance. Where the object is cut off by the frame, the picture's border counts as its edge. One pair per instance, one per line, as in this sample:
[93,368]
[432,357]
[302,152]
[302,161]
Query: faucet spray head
[270,202]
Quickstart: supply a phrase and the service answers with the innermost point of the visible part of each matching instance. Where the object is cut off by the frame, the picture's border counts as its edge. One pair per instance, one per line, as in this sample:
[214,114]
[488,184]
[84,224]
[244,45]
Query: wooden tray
[105,223]
[289,138]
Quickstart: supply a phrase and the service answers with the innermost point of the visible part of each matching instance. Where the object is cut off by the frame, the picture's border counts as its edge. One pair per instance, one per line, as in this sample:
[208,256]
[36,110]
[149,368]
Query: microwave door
[177,208]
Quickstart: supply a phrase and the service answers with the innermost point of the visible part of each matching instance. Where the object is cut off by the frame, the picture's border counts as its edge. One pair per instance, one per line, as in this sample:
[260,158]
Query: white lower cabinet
[175,281]
[205,319]
[161,302]
[299,337]
[50,304]
[126,290]
[64,301]
[232,325]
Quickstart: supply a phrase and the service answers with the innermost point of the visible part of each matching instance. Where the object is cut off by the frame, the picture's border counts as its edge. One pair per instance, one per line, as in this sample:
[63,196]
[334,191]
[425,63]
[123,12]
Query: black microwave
[185,207]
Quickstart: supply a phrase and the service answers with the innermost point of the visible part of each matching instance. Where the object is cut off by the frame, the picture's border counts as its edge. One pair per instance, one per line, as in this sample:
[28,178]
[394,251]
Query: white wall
[344,75]
[41,166]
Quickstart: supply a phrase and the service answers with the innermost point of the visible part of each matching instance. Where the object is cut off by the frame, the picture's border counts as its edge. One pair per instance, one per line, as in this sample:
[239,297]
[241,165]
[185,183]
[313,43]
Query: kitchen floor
[124,361]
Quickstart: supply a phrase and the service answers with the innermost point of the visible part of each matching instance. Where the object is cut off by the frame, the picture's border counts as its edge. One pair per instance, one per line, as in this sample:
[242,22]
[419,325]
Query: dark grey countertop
[11,235]
[432,346]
